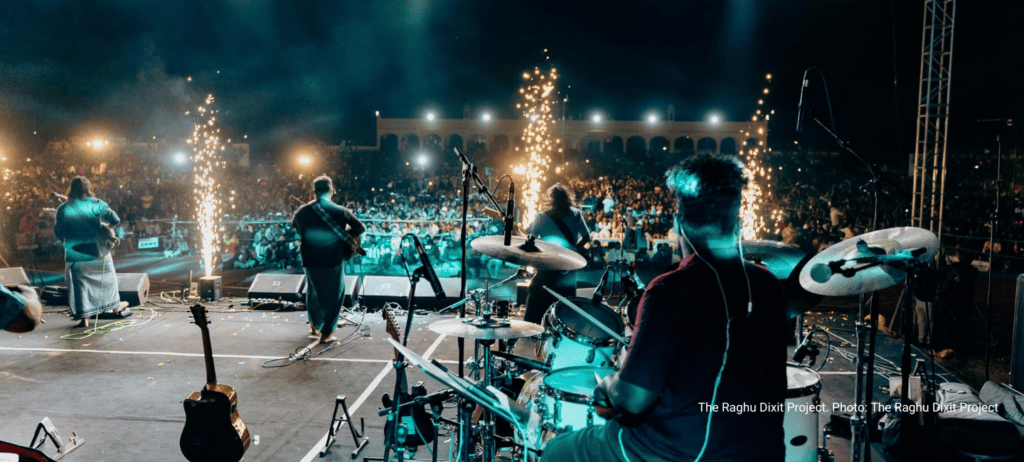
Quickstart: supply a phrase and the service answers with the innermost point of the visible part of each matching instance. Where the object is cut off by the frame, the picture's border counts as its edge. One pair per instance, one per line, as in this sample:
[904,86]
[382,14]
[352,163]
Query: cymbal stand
[860,441]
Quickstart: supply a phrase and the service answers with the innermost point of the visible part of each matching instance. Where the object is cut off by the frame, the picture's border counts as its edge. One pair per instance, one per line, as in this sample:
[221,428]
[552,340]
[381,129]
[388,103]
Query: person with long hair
[561,223]
[88,267]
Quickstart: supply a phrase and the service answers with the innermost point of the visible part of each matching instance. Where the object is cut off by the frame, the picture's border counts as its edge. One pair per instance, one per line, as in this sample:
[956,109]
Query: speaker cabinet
[378,290]
[425,298]
[352,289]
[133,288]
[287,287]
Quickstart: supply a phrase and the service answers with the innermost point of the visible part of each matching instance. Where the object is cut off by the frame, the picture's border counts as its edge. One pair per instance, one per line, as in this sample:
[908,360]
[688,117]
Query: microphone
[599,293]
[805,349]
[428,269]
[800,104]
[527,362]
[510,212]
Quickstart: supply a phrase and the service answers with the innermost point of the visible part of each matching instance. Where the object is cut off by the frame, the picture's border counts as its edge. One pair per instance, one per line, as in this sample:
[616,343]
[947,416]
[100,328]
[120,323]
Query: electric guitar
[352,243]
[412,416]
[213,429]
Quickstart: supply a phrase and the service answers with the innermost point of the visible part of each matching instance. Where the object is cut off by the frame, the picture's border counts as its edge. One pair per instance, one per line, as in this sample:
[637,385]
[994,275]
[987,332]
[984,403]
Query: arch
[684,145]
[591,145]
[660,146]
[636,146]
[750,144]
[500,143]
[728,146]
[455,141]
[412,141]
[389,142]
[614,146]
[707,144]
[432,142]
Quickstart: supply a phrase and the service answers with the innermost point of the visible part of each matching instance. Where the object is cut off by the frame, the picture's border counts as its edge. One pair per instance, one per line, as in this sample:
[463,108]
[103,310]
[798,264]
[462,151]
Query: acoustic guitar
[213,429]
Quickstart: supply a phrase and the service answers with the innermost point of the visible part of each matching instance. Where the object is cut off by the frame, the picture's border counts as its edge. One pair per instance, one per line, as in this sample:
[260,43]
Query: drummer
[561,223]
[659,405]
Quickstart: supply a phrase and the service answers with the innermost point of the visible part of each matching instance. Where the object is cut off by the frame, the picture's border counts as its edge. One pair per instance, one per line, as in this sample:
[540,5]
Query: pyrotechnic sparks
[206,150]
[538,96]
[757,195]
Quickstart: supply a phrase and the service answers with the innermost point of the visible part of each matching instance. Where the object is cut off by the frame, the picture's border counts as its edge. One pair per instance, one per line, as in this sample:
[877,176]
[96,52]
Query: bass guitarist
[329,235]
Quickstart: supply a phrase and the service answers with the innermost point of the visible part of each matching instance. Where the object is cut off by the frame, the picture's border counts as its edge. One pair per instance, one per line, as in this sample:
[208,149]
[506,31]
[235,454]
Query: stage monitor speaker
[286,287]
[351,291]
[133,288]
[14,276]
[426,300]
[378,290]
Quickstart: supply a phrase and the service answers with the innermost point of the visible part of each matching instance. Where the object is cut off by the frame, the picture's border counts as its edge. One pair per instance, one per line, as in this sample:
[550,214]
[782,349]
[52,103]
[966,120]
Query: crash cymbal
[529,252]
[476,328]
[819,278]
[778,258]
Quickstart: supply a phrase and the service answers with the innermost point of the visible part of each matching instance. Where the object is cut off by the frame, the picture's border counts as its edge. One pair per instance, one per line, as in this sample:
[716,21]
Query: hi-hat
[778,258]
[467,328]
[819,278]
[529,252]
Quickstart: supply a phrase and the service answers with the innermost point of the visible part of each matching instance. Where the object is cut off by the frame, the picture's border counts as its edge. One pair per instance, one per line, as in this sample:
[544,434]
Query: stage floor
[123,391]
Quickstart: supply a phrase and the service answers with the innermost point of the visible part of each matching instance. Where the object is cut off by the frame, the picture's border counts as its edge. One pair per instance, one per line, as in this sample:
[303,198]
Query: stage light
[486,117]
[714,119]
[422,160]
[596,118]
[180,158]
[431,116]
[652,119]
[305,160]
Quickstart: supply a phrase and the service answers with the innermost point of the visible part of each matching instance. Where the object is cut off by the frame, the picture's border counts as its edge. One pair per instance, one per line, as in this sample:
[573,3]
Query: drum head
[581,326]
[801,381]
[575,383]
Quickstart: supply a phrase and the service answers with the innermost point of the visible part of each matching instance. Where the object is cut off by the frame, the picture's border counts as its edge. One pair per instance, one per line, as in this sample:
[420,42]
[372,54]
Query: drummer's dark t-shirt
[679,341]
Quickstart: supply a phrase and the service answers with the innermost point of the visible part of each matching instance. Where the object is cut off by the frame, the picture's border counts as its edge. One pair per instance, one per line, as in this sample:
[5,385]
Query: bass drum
[571,340]
[560,402]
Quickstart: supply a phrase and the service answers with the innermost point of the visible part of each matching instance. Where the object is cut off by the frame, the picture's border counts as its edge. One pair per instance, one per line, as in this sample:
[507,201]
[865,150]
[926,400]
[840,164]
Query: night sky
[285,71]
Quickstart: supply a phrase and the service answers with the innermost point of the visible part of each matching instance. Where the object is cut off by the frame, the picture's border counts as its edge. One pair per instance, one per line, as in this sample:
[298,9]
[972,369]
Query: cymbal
[529,252]
[778,258]
[887,241]
[465,328]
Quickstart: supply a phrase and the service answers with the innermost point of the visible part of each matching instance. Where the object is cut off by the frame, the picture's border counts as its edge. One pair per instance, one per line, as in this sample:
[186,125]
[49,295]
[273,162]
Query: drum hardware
[529,251]
[868,263]
[588,317]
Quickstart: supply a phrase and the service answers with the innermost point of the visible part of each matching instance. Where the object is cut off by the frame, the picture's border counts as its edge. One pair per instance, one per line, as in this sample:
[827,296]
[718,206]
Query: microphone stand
[468,171]
[860,441]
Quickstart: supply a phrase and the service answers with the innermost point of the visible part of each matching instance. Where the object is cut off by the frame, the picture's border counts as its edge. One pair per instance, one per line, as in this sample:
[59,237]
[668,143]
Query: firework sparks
[538,96]
[206,148]
[758,193]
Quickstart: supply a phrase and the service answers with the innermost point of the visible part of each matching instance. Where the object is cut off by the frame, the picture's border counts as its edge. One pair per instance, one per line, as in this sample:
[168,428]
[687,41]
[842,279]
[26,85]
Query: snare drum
[560,402]
[571,340]
[800,422]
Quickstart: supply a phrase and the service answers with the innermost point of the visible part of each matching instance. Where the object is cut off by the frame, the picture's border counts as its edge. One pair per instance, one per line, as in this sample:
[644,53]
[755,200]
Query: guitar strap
[330,222]
[569,236]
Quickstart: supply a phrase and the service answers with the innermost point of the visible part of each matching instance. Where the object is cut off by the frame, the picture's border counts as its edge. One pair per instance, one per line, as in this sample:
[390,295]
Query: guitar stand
[49,430]
[357,437]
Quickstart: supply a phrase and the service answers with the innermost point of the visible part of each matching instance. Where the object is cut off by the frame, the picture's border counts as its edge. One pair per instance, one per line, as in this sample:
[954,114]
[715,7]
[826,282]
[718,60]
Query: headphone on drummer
[688,184]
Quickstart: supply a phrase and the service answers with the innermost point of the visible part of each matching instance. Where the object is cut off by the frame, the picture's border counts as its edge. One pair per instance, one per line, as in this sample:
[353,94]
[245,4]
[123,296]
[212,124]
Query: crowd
[628,214]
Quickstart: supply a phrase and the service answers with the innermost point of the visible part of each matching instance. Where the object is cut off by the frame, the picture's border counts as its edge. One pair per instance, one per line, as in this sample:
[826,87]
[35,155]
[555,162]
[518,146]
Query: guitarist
[328,235]
[559,223]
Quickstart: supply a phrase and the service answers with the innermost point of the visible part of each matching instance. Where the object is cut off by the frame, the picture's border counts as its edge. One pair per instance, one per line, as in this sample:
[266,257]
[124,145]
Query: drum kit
[582,341]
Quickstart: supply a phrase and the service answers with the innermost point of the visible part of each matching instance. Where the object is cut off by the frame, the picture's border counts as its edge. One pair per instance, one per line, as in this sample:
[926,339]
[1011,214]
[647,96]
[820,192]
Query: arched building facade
[633,138]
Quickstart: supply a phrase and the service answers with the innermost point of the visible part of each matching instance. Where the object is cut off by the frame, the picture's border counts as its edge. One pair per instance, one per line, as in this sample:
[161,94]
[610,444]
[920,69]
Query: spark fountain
[538,97]
[757,195]
[206,149]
